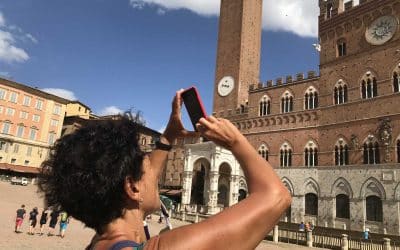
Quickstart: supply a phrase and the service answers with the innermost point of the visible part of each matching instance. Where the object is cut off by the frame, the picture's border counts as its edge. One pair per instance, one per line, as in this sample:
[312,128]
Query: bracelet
[163,146]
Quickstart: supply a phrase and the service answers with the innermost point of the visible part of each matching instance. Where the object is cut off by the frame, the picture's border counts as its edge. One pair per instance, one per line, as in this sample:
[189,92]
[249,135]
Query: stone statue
[354,141]
[385,136]
[385,132]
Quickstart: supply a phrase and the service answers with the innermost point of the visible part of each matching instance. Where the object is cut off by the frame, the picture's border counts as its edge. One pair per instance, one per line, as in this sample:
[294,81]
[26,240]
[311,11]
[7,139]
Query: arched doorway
[242,194]
[200,182]
[224,185]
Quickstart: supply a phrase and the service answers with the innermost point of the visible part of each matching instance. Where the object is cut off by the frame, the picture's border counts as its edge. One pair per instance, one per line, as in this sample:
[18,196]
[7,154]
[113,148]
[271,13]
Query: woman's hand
[175,128]
[220,131]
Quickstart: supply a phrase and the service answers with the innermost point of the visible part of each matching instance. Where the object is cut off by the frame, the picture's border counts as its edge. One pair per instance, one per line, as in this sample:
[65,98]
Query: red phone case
[199,101]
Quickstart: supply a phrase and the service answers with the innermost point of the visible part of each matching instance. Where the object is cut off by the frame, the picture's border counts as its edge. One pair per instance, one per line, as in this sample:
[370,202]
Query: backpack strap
[126,243]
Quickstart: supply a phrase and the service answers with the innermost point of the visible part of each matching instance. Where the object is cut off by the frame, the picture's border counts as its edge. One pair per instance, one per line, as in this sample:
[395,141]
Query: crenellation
[299,76]
[289,79]
[279,81]
[260,85]
[311,74]
[348,5]
[270,83]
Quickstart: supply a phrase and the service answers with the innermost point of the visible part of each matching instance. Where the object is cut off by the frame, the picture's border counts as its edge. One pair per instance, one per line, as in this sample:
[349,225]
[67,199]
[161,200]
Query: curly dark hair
[86,170]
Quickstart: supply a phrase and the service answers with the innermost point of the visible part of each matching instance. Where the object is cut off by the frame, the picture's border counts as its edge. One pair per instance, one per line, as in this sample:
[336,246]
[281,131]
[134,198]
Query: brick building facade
[334,138]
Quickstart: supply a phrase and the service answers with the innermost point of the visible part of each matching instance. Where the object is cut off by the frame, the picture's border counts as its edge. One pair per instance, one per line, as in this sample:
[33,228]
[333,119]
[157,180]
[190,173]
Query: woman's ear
[132,189]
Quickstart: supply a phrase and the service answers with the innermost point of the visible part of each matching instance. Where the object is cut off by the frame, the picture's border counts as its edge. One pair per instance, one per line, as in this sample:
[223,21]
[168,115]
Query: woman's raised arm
[245,224]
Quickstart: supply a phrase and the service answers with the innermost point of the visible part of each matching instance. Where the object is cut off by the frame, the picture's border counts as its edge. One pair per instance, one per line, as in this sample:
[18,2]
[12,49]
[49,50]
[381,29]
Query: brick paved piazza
[77,237]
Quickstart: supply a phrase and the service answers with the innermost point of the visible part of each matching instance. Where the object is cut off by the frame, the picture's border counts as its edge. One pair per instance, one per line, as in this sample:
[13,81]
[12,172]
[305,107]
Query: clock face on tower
[381,30]
[226,85]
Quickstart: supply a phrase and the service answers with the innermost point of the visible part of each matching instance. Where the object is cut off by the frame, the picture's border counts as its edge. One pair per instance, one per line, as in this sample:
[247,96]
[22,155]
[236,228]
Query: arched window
[329,8]
[286,155]
[396,80]
[371,151]
[374,208]
[340,92]
[341,153]
[265,106]
[263,151]
[369,86]
[311,204]
[342,206]
[287,102]
[311,155]
[341,47]
[398,150]
[311,99]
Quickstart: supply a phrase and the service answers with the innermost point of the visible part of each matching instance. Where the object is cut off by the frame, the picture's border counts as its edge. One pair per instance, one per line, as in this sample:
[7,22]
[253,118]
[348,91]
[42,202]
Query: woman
[100,176]
[33,220]
[43,220]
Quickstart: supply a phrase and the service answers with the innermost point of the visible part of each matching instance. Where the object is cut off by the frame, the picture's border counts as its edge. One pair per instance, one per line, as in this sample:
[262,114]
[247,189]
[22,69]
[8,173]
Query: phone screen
[193,104]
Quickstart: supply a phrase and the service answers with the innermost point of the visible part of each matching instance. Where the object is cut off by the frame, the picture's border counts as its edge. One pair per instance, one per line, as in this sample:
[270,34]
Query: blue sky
[114,55]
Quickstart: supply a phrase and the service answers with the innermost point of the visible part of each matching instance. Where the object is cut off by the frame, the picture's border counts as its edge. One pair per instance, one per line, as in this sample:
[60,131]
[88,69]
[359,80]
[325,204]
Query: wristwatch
[162,146]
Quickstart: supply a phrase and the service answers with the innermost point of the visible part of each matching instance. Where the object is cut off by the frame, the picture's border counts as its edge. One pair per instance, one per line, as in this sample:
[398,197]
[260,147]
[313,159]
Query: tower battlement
[284,81]
[329,9]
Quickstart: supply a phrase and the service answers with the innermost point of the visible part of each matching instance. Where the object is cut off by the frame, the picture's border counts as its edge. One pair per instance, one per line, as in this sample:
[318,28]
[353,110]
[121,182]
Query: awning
[172,192]
[19,168]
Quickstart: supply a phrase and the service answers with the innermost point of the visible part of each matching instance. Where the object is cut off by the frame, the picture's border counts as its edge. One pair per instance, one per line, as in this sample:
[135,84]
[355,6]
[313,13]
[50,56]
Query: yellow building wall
[14,149]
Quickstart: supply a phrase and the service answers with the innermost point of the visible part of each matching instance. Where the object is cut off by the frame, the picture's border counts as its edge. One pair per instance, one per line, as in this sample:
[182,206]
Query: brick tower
[238,56]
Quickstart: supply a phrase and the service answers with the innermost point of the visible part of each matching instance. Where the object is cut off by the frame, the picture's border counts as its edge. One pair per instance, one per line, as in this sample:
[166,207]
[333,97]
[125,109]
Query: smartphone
[194,105]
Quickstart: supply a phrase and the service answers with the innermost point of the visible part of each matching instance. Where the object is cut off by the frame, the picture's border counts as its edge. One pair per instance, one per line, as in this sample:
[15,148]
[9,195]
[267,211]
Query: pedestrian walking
[53,222]
[64,220]
[19,218]
[43,220]
[33,220]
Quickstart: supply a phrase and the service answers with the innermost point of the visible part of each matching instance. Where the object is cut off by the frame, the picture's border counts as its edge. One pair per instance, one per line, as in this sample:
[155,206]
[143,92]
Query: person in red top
[19,218]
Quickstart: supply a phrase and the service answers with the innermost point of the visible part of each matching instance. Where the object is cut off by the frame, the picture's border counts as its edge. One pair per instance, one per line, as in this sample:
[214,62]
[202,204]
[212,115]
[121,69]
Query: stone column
[386,244]
[309,239]
[345,242]
[187,179]
[234,190]
[186,188]
[213,193]
[276,234]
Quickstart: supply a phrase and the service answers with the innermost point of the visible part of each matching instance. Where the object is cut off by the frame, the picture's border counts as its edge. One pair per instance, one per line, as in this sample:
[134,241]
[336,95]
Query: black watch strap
[163,146]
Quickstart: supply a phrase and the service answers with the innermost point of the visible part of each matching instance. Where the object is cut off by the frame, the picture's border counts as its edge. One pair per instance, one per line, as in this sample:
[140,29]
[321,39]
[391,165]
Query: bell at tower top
[238,54]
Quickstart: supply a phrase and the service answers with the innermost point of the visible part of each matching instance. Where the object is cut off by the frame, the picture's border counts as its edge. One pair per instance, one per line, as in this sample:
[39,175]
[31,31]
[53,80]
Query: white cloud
[31,37]
[299,17]
[64,93]
[9,36]
[8,51]
[111,110]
